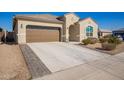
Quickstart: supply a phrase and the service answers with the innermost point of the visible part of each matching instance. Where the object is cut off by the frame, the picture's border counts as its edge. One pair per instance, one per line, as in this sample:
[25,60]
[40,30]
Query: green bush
[86,41]
[108,46]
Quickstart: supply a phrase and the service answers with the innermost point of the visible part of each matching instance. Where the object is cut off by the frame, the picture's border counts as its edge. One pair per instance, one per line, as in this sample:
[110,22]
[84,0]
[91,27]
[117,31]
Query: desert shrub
[86,41]
[105,38]
[110,39]
[102,40]
[108,46]
[89,41]
[93,40]
[114,40]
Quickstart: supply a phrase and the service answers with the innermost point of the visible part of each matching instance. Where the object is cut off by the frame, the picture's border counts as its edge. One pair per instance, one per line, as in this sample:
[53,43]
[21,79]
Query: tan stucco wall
[84,24]
[22,31]
[69,20]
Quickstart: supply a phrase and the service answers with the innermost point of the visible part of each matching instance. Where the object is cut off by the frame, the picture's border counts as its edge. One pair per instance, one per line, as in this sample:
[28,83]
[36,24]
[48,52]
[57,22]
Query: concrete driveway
[58,56]
[109,68]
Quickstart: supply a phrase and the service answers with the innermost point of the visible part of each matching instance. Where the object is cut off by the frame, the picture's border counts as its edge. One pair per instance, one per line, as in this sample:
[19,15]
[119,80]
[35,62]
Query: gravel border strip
[102,51]
[35,65]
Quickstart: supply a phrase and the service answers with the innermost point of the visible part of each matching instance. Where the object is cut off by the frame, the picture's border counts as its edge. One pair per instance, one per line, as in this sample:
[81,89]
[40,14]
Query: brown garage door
[42,34]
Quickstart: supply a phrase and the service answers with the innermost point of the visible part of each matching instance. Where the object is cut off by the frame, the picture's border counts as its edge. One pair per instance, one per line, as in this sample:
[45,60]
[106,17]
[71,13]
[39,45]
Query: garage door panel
[42,35]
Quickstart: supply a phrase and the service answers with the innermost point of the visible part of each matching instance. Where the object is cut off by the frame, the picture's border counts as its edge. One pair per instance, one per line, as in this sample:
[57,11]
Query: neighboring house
[1,29]
[6,36]
[119,33]
[47,28]
[10,37]
[1,34]
[104,32]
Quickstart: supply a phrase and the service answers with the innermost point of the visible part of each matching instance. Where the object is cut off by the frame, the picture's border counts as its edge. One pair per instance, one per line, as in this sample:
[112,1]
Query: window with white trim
[89,31]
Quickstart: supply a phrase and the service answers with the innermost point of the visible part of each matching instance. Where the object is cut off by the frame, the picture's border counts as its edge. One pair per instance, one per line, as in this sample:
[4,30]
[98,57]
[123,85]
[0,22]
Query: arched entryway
[73,33]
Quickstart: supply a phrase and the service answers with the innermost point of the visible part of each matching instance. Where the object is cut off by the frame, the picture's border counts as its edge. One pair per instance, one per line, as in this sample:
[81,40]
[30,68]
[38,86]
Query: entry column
[67,34]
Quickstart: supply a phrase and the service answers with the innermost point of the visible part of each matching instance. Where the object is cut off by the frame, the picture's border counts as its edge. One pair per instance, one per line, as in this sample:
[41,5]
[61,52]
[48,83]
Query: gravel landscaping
[12,63]
[98,47]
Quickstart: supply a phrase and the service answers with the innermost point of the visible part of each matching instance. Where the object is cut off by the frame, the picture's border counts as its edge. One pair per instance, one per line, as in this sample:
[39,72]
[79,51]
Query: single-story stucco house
[2,33]
[47,28]
[6,36]
[104,32]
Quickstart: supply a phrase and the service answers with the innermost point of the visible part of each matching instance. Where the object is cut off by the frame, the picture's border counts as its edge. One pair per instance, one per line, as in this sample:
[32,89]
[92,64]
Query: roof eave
[88,18]
[38,20]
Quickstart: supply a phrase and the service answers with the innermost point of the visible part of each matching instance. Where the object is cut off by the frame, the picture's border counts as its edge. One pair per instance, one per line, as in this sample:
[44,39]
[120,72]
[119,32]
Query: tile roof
[39,17]
[105,31]
[87,19]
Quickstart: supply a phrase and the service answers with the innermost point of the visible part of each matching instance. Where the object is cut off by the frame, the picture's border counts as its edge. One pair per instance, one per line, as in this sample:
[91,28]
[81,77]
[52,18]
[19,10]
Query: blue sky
[105,20]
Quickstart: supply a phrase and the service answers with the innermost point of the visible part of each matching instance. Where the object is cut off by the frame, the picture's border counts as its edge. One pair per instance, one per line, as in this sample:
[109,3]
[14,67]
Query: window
[89,31]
